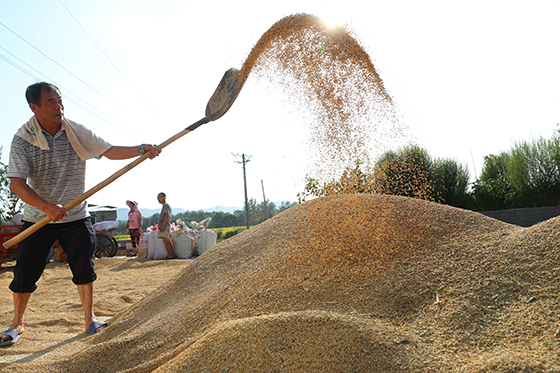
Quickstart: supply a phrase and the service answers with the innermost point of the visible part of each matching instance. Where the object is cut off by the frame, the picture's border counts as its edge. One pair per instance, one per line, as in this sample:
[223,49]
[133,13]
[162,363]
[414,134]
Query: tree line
[258,212]
[527,175]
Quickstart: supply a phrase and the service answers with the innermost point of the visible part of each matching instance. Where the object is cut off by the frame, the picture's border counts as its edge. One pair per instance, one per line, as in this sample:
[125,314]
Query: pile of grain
[326,72]
[347,283]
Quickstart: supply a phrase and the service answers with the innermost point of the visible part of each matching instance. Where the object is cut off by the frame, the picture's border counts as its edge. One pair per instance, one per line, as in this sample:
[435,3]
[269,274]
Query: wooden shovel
[219,103]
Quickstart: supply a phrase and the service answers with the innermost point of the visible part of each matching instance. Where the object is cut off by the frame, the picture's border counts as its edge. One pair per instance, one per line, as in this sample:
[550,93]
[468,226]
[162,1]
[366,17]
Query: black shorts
[76,238]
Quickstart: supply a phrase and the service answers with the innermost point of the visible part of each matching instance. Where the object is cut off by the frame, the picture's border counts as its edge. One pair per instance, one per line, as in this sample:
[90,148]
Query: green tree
[284,205]
[9,201]
[527,175]
[406,172]
[263,211]
[452,183]
[492,190]
[533,171]
[222,219]
[150,221]
[256,212]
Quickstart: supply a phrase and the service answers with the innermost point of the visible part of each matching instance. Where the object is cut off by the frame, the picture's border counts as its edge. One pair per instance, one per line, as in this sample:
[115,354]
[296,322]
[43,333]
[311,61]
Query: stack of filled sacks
[186,241]
[204,238]
[152,247]
[183,241]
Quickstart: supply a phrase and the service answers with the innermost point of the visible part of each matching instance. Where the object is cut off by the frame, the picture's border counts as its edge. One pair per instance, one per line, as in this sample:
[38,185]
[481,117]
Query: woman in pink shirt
[134,226]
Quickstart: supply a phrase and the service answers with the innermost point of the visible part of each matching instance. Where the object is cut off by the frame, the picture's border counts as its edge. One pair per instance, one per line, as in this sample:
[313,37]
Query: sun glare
[333,19]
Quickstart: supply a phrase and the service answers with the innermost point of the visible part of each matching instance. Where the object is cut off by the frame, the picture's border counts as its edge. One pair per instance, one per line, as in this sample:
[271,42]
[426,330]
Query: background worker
[134,226]
[164,225]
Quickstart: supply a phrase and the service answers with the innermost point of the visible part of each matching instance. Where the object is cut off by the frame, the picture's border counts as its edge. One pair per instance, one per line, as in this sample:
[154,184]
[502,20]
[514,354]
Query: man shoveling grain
[47,170]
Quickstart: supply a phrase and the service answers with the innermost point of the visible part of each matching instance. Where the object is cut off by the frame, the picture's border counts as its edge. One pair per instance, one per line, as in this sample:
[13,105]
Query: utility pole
[264,201]
[245,161]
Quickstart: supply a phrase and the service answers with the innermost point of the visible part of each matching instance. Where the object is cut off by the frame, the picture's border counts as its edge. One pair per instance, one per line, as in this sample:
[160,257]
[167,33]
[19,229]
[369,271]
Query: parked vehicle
[7,233]
[107,245]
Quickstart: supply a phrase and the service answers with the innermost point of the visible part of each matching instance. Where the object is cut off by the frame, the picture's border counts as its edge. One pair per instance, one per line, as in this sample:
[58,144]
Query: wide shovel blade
[219,104]
[225,94]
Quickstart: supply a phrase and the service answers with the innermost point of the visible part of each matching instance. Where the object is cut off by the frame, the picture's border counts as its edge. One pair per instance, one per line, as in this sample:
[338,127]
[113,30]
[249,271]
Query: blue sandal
[96,325]
[12,333]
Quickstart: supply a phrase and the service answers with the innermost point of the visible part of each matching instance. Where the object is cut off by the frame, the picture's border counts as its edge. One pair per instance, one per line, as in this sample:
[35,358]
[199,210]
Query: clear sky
[469,78]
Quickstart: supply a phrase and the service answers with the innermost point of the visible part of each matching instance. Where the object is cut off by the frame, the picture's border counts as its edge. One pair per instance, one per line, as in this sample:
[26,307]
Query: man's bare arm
[26,194]
[125,152]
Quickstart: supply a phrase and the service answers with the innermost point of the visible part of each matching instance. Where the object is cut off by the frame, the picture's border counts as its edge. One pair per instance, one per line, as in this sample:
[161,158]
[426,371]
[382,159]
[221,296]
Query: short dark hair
[33,92]
[163,194]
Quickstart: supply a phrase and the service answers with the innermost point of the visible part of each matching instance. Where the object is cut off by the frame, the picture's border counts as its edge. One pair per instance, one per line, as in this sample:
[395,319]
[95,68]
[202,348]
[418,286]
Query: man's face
[160,199]
[51,111]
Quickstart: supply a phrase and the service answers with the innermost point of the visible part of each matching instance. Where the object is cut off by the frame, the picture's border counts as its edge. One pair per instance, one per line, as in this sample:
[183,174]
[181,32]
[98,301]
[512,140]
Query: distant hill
[122,213]
[223,209]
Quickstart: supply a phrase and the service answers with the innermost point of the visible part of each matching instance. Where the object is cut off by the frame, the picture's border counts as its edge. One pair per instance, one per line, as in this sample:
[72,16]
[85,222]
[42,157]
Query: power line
[104,54]
[36,78]
[18,67]
[96,112]
[10,91]
[59,65]
[93,41]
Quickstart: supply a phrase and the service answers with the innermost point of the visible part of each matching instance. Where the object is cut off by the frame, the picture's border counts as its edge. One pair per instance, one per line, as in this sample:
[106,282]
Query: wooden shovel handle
[41,223]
